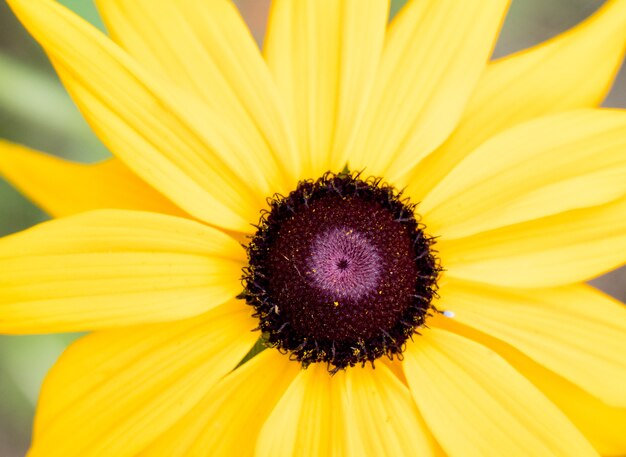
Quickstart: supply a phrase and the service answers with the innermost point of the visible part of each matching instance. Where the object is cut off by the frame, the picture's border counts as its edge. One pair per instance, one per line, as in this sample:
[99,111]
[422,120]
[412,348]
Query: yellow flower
[521,184]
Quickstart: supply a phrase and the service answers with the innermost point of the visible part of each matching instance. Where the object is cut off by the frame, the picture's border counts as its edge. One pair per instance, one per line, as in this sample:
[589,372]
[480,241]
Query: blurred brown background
[35,110]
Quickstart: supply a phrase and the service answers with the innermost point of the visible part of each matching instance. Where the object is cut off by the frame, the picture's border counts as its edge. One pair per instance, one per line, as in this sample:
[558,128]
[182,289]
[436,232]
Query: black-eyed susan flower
[375,203]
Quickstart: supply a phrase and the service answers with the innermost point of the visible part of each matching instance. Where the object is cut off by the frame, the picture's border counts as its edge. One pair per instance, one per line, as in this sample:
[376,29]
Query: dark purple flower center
[340,271]
[344,264]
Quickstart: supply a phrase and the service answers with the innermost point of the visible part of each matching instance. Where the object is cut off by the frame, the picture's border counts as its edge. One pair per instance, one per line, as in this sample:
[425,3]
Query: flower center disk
[340,271]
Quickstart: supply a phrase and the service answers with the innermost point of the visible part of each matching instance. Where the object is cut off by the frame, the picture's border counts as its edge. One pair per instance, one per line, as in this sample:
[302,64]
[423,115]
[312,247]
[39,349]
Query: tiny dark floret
[340,271]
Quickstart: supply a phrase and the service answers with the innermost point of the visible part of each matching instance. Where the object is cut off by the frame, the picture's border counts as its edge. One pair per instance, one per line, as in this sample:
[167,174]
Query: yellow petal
[434,53]
[114,392]
[381,416]
[543,167]
[601,424]
[575,331]
[172,140]
[476,404]
[112,267]
[206,48]
[567,248]
[323,55]
[308,419]
[357,412]
[573,70]
[62,188]
[227,420]
[395,366]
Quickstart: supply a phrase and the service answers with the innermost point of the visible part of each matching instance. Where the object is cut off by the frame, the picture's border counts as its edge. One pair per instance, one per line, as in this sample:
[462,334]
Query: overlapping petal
[112,267]
[172,140]
[543,167]
[566,248]
[308,420]
[575,331]
[207,48]
[62,188]
[381,417]
[227,420]
[552,77]
[354,413]
[423,82]
[114,392]
[477,404]
[324,55]
[601,424]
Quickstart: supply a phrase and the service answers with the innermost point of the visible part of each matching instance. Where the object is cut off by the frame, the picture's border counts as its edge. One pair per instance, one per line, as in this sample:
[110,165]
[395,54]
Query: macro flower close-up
[366,238]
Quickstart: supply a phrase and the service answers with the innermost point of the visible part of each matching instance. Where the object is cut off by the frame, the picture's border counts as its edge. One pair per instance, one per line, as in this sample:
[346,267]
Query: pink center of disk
[344,263]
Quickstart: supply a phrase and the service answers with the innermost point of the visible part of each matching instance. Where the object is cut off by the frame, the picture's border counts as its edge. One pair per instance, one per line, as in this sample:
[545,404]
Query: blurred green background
[36,111]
